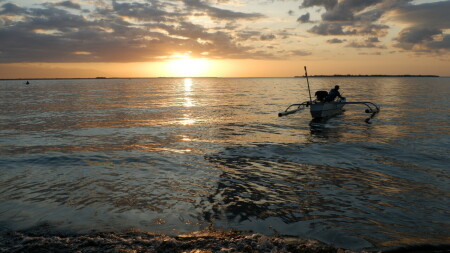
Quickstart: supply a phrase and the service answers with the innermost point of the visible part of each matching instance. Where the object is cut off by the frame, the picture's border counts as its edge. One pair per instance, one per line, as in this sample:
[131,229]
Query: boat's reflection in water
[325,128]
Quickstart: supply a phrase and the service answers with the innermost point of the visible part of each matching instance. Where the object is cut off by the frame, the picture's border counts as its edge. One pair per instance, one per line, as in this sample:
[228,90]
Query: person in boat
[333,94]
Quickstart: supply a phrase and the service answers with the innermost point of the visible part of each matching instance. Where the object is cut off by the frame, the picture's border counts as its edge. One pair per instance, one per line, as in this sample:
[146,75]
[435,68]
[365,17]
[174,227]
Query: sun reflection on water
[187,84]
[187,121]
[185,138]
[188,102]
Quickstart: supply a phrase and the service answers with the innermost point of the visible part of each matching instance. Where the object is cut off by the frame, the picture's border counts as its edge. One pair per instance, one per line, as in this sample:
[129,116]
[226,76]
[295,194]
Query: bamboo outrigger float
[321,109]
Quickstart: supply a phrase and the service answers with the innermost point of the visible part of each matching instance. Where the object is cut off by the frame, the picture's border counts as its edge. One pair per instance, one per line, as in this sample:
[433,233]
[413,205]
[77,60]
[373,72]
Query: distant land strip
[369,76]
[101,77]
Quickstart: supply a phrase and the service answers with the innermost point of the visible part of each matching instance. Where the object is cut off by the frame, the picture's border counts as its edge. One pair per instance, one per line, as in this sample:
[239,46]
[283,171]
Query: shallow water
[178,155]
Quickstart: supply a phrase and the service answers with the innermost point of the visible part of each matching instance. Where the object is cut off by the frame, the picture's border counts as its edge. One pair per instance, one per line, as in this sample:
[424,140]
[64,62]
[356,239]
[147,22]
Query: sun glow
[189,67]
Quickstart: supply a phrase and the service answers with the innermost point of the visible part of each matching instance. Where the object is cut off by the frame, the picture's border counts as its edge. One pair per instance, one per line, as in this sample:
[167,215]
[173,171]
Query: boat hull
[326,110]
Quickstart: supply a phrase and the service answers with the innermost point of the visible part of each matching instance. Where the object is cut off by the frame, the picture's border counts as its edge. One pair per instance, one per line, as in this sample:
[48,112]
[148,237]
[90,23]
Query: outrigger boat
[322,109]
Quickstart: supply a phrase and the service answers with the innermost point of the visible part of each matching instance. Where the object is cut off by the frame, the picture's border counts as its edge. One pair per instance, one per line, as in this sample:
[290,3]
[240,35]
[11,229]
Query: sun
[189,67]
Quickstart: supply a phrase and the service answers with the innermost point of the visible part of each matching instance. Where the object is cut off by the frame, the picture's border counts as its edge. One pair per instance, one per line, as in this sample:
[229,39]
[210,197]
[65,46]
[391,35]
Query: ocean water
[178,155]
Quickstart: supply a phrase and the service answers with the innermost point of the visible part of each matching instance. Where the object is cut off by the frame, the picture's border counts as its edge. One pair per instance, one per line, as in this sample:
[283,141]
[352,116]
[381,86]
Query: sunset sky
[224,38]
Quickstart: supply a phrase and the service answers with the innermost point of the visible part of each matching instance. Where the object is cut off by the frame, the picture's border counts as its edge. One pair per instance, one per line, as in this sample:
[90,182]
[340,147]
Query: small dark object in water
[27,83]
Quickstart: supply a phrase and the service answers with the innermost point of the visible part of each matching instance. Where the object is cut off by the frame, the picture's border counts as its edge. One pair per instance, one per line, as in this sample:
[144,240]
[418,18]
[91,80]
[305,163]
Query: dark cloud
[116,31]
[345,10]
[351,10]
[304,18]
[328,4]
[214,12]
[365,44]
[248,35]
[331,29]
[299,53]
[54,18]
[348,17]
[434,15]
[284,34]
[267,37]
[12,9]
[372,29]
[335,41]
[415,37]
[365,53]
[149,11]
[428,23]
[68,4]
[444,43]
[371,42]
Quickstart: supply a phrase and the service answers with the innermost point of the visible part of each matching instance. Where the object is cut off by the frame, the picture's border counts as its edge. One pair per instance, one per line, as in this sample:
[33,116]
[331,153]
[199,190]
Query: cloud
[365,44]
[328,4]
[267,37]
[428,24]
[131,31]
[346,10]
[444,43]
[151,11]
[349,17]
[331,29]
[248,35]
[335,41]
[416,37]
[299,53]
[434,15]
[12,9]
[304,18]
[218,13]
[68,4]
[371,42]
[285,34]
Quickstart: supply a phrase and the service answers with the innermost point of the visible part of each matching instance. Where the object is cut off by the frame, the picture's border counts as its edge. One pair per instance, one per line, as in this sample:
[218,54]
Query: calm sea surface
[178,155]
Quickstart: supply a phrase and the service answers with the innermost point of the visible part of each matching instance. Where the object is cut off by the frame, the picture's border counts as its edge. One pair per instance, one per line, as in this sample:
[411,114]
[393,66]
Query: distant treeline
[369,76]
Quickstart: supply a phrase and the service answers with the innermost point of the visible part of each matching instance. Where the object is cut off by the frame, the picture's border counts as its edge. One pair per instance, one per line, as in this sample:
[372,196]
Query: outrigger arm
[371,108]
[300,107]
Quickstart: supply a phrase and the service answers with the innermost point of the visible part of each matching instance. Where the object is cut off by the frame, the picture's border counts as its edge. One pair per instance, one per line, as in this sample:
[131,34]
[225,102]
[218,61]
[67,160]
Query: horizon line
[206,77]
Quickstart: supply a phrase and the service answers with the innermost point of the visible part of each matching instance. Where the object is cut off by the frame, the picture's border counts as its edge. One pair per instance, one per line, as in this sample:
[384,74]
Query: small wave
[202,241]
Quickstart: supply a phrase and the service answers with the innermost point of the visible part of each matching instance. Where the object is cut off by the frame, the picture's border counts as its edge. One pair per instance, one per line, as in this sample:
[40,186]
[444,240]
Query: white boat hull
[326,110]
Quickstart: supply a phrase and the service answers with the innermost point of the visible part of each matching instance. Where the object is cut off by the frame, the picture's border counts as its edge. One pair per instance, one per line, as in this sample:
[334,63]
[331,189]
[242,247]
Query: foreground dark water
[178,155]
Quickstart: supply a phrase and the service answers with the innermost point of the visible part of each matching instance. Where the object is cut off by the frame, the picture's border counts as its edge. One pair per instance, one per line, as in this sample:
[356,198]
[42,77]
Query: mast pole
[307,81]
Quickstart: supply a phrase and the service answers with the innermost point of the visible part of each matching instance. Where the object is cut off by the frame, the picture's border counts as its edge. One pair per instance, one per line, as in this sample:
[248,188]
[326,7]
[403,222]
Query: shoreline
[40,240]
[139,241]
